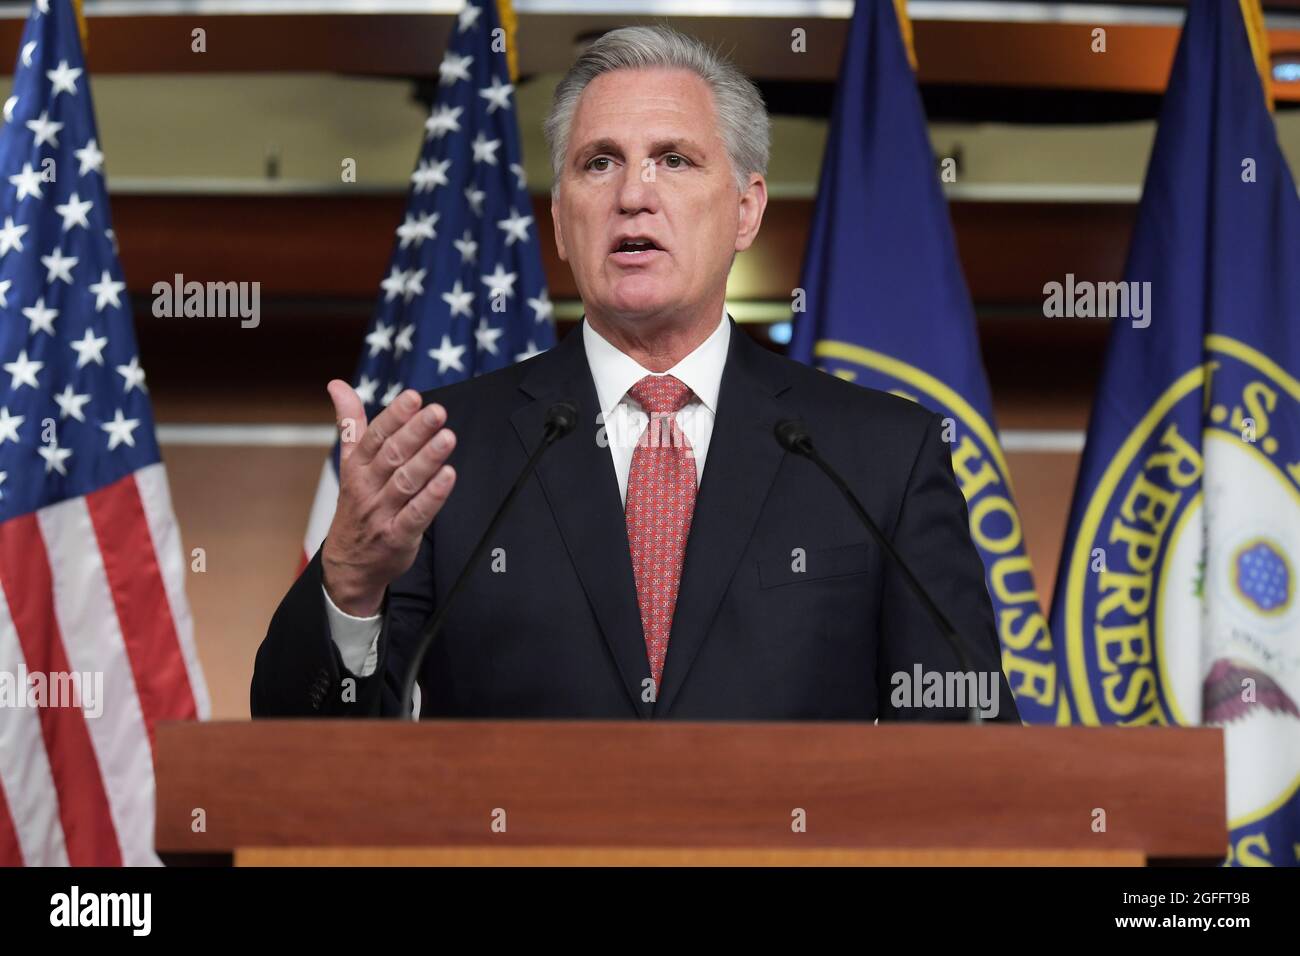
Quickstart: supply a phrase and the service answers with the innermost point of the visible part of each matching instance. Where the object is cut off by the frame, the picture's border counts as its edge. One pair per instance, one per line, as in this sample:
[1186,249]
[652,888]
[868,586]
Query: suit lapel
[578,480]
[742,462]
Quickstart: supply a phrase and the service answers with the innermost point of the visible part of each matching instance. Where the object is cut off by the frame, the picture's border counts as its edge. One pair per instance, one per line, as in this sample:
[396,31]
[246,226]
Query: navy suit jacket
[786,609]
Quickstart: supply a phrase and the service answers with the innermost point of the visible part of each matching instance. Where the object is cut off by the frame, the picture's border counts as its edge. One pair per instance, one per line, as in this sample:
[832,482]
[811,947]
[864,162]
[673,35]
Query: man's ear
[752,203]
[555,222]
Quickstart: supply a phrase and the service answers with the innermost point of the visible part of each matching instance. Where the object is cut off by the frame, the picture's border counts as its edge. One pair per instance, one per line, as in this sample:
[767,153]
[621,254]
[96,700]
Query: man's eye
[594,164]
[676,161]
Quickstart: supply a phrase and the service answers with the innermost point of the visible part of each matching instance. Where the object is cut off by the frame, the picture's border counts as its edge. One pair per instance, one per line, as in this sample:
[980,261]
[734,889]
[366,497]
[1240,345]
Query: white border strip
[273,436]
[322,436]
[1060,442]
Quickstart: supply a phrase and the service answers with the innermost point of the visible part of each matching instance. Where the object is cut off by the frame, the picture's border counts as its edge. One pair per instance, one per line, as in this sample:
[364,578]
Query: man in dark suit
[669,558]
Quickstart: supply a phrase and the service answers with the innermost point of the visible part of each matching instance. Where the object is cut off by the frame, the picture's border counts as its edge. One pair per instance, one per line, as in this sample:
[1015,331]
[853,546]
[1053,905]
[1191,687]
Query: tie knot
[660,394]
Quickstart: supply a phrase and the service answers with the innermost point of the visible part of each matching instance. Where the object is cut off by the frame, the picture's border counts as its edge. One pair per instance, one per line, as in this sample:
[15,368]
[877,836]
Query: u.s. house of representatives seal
[1183,605]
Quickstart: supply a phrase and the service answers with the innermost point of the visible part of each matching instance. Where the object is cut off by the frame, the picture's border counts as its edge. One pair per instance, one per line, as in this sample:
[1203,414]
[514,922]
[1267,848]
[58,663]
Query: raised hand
[393,481]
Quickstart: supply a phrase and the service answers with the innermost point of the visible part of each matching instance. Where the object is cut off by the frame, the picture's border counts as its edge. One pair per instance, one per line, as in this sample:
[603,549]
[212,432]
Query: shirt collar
[614,372]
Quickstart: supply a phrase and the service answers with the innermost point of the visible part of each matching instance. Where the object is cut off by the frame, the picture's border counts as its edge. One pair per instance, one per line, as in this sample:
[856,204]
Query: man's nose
[638,191]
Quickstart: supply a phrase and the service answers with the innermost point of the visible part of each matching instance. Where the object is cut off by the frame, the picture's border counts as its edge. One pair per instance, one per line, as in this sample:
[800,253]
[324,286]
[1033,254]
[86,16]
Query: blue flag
[886,306]
[1177,601]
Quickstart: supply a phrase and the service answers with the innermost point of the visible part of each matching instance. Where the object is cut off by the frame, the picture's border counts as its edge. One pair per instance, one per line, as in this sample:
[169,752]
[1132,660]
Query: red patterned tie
[660,504]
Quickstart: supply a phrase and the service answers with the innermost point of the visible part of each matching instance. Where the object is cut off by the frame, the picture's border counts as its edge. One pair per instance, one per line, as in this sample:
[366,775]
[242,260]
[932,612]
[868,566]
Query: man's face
[648,215]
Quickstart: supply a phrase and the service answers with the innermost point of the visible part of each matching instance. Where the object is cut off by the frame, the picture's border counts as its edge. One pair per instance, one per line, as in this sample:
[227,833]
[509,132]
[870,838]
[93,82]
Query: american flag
[91,568]
[465,292]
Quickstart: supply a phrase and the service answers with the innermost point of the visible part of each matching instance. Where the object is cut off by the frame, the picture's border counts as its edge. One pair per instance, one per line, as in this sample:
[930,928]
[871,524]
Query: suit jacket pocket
[815,565]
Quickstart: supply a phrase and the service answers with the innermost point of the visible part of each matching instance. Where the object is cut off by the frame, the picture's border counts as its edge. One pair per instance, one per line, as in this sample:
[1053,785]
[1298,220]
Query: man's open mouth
[636,245]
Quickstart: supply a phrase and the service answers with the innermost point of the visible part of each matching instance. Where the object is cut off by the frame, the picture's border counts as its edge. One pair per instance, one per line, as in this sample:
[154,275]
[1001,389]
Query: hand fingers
[408,479]
[349,415]
[407,442]
[419,512]
[386,424]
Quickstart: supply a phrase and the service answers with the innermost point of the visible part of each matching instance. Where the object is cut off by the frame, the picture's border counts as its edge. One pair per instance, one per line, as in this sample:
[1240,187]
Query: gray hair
[742,117]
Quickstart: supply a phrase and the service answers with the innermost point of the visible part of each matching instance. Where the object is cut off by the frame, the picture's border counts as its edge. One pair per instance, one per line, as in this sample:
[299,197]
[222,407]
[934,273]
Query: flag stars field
[475,199]
[90,348]
[414,284]
[63,79]
[464,291]
[55,457]
[467,19]
[28,182]
[41,318]
[443,120]
[9,425]
[543,309]
[91,159]
[46,130]
[467,248]
[366,389]
[11,236]
[448,355]
[487,336]
[71,404]
[59,266]
[485,150]
[74,212]
[515,227]
[454,68]
[380,339]
[500,282]
[132,375]
[120,429]
[22,371]
[106,291]
[402,343]
[459,300]
[497,95]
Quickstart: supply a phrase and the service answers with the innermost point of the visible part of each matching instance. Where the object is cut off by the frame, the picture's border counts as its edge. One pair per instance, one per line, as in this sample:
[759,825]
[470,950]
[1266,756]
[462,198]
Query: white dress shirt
[624,420]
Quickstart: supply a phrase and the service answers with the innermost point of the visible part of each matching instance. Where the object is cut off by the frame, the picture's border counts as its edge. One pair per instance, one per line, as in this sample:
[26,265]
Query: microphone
[793,436]
[561,418]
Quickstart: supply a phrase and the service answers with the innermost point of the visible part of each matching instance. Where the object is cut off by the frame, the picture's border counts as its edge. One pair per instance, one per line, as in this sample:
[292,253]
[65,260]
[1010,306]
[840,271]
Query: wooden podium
[644,793]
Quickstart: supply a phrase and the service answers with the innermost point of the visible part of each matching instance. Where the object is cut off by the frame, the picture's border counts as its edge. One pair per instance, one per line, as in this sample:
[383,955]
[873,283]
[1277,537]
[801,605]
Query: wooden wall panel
[1049,55]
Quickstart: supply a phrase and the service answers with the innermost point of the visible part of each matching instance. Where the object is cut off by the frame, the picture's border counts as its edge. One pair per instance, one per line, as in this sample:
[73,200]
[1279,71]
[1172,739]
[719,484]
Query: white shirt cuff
[357,638]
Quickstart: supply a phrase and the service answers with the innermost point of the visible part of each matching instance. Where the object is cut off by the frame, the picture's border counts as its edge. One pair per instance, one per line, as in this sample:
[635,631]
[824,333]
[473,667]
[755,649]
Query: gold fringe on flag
[81,25]
[509,23]
[1258,35]
[905,25]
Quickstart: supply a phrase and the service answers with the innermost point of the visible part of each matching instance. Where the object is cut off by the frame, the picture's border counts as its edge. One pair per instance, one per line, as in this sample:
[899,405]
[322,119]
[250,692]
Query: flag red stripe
[140,597]
[88,830]
[11,853]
